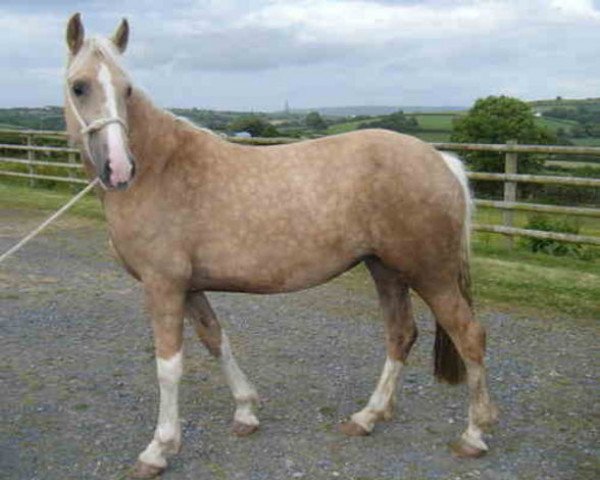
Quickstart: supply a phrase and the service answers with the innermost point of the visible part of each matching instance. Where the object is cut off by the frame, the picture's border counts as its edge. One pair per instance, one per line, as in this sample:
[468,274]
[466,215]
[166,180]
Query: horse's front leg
[166,305]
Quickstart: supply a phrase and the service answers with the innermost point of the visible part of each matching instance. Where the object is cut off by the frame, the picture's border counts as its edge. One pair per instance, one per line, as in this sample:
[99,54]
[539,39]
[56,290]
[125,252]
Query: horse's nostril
[132,169]
[106,171]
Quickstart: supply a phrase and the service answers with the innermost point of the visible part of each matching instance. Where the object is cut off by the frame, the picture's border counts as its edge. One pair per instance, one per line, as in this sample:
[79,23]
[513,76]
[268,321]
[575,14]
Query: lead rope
[49,220]
[85,131]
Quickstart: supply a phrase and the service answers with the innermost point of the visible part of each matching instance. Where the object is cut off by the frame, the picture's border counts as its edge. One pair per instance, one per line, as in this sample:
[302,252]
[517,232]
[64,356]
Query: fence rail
[509,178]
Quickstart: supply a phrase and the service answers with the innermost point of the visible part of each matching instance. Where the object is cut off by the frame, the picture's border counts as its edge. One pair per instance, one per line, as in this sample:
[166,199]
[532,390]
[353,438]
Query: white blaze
[117,153]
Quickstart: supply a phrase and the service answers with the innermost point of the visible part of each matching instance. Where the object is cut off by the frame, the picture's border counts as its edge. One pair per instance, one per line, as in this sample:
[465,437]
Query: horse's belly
[264,275]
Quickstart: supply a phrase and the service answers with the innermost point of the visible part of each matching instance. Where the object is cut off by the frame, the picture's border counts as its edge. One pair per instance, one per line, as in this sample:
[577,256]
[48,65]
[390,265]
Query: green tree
[498,120]
[254,125]
[396,121]
[314,121]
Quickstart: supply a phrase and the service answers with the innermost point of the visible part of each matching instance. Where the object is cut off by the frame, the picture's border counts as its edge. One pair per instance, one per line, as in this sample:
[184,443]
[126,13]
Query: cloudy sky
[255,54]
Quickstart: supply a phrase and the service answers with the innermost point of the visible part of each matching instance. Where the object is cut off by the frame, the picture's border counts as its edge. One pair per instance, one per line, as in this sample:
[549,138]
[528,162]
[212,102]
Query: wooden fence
[72,167]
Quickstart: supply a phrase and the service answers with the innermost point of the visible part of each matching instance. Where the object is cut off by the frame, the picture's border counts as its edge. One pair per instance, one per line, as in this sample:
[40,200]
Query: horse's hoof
[353,429]
[462,449]
[240,429]
[144,470]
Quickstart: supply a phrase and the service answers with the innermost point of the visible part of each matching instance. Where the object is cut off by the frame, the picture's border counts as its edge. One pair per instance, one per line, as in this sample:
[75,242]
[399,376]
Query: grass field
[436,121]
[588,226]
[587,142]
[437,127]
[555,123]
[433,136]
[346,127]
[433,127]
[517,281]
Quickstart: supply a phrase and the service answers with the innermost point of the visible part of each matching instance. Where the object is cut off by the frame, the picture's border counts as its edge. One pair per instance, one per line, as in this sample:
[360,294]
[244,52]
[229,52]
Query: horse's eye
[80,88]
[129,91]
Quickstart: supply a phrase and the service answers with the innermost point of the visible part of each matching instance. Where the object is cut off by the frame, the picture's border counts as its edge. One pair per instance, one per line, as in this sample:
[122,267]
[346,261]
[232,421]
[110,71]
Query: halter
[89,128]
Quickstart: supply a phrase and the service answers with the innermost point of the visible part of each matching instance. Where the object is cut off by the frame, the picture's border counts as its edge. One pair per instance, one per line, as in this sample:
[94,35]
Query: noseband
[88,128]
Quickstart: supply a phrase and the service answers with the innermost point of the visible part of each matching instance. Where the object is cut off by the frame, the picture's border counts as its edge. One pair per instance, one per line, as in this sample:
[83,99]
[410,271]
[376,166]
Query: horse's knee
[401,340]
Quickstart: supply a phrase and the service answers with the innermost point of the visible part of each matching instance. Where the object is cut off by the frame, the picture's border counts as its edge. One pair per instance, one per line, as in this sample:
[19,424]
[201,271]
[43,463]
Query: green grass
[435,121]
[504,280]
[433,136]
[555,123]
[586,142]
[588,226]
[16,196]
[347,126]
[427,121]
[531,283]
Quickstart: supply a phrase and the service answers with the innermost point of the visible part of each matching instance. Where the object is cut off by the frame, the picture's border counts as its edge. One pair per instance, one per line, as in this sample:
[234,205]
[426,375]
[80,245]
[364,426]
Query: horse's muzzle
[117,176]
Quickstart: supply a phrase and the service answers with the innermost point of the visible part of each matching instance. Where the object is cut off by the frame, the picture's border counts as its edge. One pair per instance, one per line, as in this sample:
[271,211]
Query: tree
[498,120]
[397,121]
[254,125]
[314,121]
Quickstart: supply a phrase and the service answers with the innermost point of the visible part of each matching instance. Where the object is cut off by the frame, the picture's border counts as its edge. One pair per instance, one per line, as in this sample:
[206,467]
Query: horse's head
[97,93]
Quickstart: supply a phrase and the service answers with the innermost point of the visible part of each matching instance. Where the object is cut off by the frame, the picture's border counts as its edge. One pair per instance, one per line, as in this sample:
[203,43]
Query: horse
[189,212]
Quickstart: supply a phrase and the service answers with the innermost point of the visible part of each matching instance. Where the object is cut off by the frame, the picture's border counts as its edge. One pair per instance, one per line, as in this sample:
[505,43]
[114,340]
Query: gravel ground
[79,393]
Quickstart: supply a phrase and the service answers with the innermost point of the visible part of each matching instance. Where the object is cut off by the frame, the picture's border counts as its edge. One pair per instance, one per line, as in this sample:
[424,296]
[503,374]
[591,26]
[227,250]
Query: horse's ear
[75,33]
[121,36]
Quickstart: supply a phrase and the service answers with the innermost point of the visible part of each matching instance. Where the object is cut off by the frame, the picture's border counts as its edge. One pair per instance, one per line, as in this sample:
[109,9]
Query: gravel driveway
[79,393]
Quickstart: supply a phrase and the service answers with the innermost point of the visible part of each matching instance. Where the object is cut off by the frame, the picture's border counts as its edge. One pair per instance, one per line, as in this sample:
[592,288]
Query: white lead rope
[49,220]
[85,129]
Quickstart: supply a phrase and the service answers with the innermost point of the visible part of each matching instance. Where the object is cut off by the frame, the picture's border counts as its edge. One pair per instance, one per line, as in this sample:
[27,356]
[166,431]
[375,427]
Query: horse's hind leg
[202,317]
[401,333]
[467,339]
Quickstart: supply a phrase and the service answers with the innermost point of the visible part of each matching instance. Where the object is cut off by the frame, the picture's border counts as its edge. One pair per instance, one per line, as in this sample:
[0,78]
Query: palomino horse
[189,212]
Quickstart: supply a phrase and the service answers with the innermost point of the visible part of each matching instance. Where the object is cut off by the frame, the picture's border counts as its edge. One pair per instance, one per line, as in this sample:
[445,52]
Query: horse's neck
[153,134]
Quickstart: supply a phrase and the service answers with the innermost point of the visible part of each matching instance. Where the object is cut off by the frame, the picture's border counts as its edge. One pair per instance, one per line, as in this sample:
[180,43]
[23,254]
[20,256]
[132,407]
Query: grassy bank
[515,281]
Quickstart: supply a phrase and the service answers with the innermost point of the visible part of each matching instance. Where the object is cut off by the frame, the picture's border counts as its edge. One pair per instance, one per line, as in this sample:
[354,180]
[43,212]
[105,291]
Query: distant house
[242,135]
[537,114]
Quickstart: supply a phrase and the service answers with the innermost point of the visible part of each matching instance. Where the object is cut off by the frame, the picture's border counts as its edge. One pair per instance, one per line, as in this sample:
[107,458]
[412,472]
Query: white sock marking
[382,396]
[479,399]
[168,430]
[244,393]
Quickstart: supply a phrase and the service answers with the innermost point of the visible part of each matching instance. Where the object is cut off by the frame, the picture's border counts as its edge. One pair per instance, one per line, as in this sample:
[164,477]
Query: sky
[258,54]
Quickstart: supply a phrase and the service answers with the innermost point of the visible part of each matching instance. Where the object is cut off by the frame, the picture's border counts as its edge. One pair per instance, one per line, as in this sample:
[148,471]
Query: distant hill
[44,118]
[375,110]
[559,102]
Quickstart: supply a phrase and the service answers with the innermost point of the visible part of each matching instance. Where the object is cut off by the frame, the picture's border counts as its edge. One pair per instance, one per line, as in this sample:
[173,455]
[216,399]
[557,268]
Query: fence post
[510,190]
[72,160]
[30,157]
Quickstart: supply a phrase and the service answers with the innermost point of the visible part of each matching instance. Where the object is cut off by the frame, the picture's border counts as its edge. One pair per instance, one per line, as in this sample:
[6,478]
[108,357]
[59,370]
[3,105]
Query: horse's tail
[449,367]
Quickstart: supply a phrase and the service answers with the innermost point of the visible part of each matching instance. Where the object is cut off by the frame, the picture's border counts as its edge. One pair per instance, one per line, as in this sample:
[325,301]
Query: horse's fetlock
[485,416]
